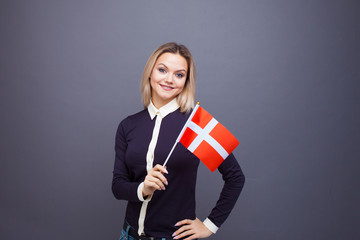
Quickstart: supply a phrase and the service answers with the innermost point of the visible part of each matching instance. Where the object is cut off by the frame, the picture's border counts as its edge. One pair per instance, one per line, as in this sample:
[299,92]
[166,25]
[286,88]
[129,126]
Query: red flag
[209,140]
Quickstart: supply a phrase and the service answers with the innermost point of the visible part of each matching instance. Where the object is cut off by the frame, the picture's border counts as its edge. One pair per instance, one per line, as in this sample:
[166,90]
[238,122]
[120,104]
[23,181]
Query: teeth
[166,87]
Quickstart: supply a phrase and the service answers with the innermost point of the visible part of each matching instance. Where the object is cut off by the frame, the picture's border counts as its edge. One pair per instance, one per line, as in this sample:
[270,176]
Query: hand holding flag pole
[206,138]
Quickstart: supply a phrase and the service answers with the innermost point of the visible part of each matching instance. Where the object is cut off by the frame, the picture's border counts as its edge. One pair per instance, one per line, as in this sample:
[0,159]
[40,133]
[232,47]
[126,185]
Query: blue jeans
[125,234]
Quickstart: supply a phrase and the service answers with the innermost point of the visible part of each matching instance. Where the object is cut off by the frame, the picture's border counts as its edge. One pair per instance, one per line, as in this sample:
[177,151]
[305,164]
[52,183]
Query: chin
[167,99]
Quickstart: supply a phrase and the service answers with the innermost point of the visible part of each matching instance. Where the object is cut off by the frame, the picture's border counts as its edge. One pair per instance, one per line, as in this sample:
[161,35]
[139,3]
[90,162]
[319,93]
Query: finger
[160,176]
[189,233]
[182,229]
[160,168]
[149,184]
[155,182]
[183,222]
[156,179]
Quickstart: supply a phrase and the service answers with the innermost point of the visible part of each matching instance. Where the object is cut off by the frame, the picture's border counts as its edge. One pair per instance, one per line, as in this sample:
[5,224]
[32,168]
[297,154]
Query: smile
[166,88]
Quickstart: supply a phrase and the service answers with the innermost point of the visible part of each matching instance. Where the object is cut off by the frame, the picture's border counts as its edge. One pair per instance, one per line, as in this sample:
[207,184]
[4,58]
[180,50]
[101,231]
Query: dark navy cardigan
[177,202]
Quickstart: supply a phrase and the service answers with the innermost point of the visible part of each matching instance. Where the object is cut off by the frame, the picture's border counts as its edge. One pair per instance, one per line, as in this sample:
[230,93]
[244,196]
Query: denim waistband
[129,233]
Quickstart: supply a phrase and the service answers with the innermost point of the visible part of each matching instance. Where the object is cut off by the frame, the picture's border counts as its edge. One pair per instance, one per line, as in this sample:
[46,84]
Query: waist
[131,234]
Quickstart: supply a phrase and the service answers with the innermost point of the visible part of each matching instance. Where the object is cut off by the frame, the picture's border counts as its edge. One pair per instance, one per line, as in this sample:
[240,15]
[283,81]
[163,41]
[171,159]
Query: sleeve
[123,187]
[234,180]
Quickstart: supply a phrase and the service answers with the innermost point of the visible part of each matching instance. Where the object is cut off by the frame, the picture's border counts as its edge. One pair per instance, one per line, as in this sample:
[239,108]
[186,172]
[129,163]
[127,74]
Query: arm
[122,185]
[234,180]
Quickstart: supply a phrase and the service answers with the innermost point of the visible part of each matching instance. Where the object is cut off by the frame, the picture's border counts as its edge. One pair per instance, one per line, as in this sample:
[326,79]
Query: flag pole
[182,132]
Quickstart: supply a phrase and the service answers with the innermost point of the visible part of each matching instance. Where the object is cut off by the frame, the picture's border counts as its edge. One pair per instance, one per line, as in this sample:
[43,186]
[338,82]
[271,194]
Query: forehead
[172,60]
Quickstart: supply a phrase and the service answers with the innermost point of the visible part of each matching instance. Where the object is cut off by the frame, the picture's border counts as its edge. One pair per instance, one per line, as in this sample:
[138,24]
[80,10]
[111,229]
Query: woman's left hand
[191,228]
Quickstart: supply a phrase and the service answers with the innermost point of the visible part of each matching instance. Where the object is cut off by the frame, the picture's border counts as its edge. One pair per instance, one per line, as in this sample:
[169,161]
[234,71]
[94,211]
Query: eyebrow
[180,70]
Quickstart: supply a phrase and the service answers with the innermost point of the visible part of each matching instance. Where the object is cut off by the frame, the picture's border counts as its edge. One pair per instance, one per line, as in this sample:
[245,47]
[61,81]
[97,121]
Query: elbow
[239,180]
[115,191]
[242,179]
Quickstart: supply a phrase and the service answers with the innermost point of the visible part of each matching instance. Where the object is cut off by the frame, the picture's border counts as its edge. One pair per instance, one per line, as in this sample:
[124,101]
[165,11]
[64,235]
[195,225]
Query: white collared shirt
[159,114]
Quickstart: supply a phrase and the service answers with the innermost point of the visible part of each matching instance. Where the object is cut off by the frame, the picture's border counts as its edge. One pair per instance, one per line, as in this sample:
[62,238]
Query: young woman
[161,200]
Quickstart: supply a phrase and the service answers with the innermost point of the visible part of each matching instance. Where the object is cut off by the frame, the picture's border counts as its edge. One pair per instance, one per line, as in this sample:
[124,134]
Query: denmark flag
[205,137]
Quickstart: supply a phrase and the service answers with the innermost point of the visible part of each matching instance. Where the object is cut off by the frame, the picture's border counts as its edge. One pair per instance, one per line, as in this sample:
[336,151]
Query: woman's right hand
[155,180]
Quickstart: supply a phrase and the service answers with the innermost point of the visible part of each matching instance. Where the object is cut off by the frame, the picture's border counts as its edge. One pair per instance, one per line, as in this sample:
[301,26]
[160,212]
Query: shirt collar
[164,110]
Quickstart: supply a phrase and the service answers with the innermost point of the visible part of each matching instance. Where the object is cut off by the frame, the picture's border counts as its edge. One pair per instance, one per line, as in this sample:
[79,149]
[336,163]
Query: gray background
[283,76]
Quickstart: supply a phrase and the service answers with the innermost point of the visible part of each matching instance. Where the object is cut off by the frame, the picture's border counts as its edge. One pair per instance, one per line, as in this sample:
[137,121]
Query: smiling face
[167,78]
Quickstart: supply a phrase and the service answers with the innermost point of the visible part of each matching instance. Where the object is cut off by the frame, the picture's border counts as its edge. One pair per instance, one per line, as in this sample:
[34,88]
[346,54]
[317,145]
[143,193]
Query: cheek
[153,80]
[182,85]
[156,76]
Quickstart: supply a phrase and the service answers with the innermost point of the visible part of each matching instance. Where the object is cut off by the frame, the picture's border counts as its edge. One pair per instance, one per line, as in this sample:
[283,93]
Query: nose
[169,79]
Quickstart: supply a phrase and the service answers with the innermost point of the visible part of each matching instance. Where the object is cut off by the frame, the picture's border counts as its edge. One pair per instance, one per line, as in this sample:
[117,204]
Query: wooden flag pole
[182,132]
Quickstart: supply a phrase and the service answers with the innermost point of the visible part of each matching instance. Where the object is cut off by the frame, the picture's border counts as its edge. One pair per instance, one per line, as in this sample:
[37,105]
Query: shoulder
[143,114]
[134,120]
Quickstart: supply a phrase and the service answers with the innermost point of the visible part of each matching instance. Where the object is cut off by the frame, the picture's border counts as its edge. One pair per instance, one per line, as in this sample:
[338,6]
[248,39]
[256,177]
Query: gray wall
[283,76]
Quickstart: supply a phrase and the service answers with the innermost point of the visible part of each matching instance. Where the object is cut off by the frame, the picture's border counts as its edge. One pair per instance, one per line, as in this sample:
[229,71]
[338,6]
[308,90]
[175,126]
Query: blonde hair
[186,99]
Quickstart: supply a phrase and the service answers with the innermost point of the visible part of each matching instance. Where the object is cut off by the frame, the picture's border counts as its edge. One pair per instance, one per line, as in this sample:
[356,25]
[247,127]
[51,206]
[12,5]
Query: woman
[161,200]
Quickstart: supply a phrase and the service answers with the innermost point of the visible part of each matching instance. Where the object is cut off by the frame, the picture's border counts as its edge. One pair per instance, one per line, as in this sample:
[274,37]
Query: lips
[166,88]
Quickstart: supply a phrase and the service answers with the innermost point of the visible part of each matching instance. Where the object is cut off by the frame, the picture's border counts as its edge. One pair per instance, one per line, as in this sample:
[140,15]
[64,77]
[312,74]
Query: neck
[158,103]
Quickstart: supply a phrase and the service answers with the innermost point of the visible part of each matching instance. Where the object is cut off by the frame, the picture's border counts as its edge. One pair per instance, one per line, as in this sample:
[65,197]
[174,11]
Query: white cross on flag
[205,137]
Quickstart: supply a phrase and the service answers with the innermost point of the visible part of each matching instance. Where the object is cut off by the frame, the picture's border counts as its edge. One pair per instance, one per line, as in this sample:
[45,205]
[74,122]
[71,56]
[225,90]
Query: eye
[179,75]
[162,70]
